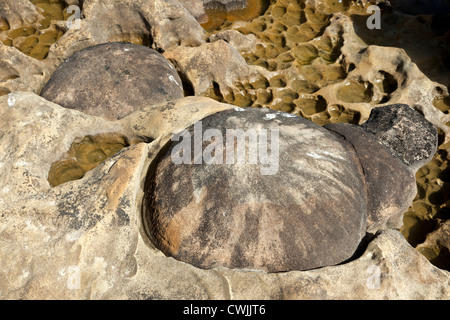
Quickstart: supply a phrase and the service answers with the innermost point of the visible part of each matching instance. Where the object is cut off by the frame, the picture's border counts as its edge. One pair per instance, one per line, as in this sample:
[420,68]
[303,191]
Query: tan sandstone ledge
[84,239]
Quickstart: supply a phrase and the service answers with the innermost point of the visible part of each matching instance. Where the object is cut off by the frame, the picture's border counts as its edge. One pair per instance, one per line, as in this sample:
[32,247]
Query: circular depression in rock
[112,80]
[278,193]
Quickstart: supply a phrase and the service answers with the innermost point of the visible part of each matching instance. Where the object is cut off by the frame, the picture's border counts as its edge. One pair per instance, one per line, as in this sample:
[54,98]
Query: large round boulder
[256,189]
[112,80]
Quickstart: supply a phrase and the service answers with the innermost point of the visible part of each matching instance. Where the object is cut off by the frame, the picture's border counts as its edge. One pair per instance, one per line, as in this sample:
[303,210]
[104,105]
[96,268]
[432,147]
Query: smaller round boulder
[112,80]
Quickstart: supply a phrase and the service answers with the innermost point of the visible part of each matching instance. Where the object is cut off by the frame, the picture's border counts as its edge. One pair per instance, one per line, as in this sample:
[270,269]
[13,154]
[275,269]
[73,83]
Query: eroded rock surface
[63,250]
[225,4]
[406,133]
[167,23]
[196,63]
[83,239]
[15,14]
[436,246]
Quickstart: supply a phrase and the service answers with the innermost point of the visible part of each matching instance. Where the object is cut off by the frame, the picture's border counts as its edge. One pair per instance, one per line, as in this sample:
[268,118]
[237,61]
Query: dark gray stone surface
[405,132]
[112,80]
[389,185]
[311,212]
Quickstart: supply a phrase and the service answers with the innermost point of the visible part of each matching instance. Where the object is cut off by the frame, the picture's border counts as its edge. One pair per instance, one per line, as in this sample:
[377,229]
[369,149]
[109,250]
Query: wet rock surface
[32,26]
[87,233]
[85,154]
[130,77]
[227,5]
[161,24]
[195,64]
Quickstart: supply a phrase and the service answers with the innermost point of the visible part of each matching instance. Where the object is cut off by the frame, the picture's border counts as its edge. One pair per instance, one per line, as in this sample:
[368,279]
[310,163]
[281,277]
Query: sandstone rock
[422,7]
[127,22]
[130,77]
[388,269]
[172,25]
[14,76]
[203,68]
[405,132]
[84,239]
[242,43]
[389,72]
[301,206]
[212,240]
[74,2]
[107,258]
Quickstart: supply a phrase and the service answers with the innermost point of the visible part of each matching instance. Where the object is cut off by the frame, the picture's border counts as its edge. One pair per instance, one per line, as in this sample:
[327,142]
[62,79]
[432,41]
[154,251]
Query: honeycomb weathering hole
[353,91]
[34,39]
[84,155]
[217,15]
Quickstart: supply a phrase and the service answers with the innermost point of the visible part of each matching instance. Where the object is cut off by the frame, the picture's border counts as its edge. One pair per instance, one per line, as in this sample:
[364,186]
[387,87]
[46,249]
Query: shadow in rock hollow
[421,28]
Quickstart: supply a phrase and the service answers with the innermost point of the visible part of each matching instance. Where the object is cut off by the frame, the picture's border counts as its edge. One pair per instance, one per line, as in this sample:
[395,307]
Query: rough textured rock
[420,24]
[224,215]
[242,43]
[227,5]
[203,68]
[130,77]
[52,260]
[15,77]
[195,8]
[405,132]
[390,187]
[15,14]
[303,209]
[82,240]
[436,246]
[159,24]
[167,22]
